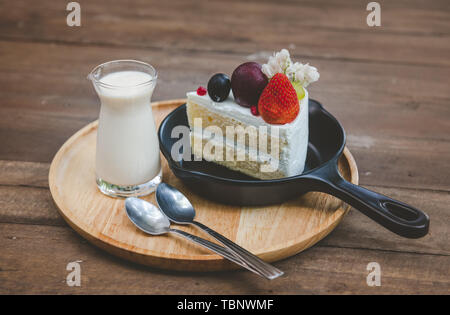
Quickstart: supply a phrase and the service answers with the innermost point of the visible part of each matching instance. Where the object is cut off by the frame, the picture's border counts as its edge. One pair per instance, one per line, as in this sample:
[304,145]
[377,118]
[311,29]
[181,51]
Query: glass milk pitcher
[127,155]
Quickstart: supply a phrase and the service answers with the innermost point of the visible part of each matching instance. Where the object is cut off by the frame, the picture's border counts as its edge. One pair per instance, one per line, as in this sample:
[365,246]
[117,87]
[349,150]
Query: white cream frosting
[295,134]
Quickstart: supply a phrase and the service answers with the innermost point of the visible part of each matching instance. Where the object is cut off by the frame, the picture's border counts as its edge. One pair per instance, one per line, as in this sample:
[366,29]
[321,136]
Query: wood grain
[102,220]
[326,29]
[33,259]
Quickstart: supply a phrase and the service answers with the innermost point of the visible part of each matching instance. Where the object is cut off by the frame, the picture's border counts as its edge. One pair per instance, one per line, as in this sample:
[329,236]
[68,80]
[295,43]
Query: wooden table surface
[388,85]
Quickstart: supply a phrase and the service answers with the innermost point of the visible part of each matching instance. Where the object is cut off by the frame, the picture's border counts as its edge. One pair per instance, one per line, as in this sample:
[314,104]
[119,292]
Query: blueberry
[219,87]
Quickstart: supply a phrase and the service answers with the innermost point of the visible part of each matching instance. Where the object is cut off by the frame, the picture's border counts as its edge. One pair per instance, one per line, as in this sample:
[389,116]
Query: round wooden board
[272,232]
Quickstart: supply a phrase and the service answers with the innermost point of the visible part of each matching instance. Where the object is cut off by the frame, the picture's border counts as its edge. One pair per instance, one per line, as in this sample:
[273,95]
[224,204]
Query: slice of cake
[261,127]
[286,145]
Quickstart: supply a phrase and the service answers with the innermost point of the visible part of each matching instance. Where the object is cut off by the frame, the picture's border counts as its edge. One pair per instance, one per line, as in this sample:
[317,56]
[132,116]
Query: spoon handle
[255,262]
[215,248]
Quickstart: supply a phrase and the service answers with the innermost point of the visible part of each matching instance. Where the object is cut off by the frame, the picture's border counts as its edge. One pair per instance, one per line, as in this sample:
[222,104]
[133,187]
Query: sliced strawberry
[278,103]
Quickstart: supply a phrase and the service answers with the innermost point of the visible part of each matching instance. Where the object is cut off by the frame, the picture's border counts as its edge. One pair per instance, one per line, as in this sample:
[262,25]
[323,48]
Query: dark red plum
[247,83]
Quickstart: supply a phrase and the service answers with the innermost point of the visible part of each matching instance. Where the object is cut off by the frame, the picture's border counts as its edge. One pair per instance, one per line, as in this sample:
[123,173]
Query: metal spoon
[179,210]
[151,220]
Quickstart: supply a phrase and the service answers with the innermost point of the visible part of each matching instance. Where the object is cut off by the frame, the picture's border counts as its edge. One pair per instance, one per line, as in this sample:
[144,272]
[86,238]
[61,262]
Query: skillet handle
[394,215]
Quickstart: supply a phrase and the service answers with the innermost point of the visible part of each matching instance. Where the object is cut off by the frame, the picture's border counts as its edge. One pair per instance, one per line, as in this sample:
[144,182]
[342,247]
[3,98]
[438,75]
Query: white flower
[303,74]
[300,77]
[283,59]
[281,62]
[278,63]
[292,70]
[271,67]
[267,70]
[274,65]
[311,74]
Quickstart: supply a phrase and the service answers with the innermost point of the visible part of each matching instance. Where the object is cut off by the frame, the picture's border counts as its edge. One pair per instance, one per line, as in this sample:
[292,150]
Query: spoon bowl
[146,216]
[174,204]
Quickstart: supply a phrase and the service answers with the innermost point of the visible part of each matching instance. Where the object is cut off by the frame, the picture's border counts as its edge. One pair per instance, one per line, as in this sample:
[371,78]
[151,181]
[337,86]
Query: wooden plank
[410,33]
[35,135]
[401,162]
[15,173]
[29,205]
[402,16]
[33,259]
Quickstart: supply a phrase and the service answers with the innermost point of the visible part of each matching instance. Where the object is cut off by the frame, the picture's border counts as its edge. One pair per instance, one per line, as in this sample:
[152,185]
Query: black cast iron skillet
[326,143]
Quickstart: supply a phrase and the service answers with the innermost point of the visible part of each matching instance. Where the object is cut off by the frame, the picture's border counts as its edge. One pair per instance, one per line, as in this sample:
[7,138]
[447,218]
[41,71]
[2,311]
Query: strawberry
[278,103]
